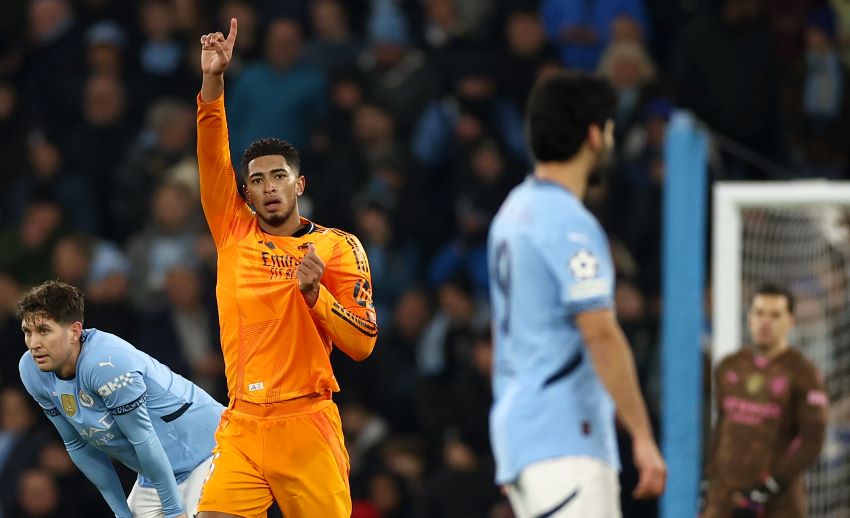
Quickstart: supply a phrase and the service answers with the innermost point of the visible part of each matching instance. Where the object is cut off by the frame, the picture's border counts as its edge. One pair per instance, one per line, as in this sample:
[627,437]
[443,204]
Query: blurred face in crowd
[70,262]
[457,304]
[53,346]
[172,206]
[346,94]
[46,17]
[411,314]
[243,11]
[525,34]
[174,125]
[17,415]
[157,19]
[372,124]
[45,157]
[41,219]
[625,28]
[329,19]
[55,459]
[104,100]
[626,72]
[273,187]
[770,321]
[103,58]
[183,288]
[384,493]
[482,355]
[10,291]
[441,12]
[283,44]
[487,164]
[37,493]
[374,225]
[8,99]
[817,41]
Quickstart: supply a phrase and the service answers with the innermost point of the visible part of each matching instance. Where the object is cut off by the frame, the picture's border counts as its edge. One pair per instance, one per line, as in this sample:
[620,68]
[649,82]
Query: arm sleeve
[811,412]
[219,196]
[94,464]
[135,423]
[344,308]
[122,387]
[581,264]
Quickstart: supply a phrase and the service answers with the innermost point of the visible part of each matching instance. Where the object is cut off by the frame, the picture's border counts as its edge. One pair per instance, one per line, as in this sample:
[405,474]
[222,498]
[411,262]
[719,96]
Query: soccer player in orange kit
[288,290]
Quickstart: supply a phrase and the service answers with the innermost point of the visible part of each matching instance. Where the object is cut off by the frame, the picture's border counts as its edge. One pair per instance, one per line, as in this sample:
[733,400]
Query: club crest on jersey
[755,382]
[69,404]
[86,400]
[584,265]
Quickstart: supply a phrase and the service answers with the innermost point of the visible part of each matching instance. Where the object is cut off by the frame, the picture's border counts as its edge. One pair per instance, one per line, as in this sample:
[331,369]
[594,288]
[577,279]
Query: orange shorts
[292,452]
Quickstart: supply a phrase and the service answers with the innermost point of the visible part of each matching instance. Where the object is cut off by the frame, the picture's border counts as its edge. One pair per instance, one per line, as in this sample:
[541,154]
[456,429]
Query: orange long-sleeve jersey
[276,347]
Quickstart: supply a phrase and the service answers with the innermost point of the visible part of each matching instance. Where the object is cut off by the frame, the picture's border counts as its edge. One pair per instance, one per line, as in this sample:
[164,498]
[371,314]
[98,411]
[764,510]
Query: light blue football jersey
[114,378]
[549,261]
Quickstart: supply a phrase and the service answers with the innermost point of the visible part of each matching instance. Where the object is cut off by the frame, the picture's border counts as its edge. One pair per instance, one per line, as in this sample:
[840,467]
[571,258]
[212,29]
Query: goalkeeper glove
[751,504]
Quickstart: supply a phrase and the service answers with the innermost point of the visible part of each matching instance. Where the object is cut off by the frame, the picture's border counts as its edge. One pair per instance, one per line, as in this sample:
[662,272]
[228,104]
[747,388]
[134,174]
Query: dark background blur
[408,115]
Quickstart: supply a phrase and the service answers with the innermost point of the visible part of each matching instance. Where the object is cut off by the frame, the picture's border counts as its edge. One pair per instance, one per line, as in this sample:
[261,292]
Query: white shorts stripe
[566,487]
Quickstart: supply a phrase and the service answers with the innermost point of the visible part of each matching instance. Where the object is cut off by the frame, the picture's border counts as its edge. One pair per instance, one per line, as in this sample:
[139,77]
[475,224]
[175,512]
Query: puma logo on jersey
[104,364]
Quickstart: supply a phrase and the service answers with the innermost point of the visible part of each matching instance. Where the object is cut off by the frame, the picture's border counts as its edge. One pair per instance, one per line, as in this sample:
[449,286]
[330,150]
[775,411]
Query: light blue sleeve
[580,260]
[94,464]
[136,425]
[118,379]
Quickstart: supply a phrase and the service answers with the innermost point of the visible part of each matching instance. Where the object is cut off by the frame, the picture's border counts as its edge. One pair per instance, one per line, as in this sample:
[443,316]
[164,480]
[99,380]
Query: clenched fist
[309,275]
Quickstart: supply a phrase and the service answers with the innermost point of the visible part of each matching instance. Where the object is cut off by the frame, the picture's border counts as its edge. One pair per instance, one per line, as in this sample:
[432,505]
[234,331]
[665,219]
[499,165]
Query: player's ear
[76,331]
[594,137]
[301,184]
[246,193]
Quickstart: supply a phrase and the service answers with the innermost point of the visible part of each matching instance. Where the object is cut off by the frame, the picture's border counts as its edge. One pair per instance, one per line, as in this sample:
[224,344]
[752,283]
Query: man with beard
[288,290]
[562,365]
[771,419]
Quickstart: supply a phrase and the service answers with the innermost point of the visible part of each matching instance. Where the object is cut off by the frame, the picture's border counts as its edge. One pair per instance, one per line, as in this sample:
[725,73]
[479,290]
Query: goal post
[730,198]
[796,234]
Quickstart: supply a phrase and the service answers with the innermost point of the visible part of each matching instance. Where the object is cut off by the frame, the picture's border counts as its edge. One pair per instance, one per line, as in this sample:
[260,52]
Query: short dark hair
[776,290]
[56,300]
[271,146]
[560,110]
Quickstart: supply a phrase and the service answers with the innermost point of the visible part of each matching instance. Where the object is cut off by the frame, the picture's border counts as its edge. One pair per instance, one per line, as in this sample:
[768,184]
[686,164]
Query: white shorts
[566,487]
[144,501]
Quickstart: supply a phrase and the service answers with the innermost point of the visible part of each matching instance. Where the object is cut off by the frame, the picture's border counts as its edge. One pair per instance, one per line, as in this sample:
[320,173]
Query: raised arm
[219,197]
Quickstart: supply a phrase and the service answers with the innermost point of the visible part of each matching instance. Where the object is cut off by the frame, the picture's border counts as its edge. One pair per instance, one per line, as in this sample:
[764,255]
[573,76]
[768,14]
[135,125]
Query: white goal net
[796,234]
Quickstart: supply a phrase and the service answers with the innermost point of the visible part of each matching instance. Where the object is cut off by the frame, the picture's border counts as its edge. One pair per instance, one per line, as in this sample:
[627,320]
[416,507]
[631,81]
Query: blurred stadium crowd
[408,115]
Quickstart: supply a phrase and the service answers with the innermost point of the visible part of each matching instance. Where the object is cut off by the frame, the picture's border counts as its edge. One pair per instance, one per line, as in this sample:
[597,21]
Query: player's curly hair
[560,110]
[54,300]
[271,146]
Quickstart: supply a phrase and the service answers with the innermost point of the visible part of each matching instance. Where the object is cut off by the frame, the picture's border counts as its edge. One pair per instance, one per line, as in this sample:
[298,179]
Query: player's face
[770,321]
[52,345]
[273,188]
